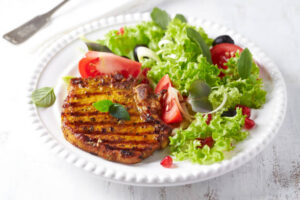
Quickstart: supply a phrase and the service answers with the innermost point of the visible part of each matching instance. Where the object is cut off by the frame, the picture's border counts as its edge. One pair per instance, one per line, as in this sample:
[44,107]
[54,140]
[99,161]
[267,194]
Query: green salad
[217,82]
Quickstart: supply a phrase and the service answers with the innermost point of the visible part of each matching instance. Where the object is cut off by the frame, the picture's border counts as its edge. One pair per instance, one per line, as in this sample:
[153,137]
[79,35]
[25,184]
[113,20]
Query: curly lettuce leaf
[225,131]
[182,59]
[217,95]
[145,33]
[251,89]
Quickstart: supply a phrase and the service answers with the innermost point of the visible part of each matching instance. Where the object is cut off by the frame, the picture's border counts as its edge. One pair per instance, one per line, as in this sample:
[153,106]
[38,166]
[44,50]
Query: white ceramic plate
[61,59]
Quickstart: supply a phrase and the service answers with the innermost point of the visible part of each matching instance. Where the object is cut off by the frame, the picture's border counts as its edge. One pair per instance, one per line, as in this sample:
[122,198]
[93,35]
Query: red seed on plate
[167,162]
[249,123]
[245,110]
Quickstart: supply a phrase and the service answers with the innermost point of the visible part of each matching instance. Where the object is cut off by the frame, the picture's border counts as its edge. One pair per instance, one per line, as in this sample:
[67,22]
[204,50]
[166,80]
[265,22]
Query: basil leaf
[103,105]
[198,96]
[181,17]
[67,79]
[244,64]
[119,111]
[196,37]
[160,17]
[43,97]
[93,46]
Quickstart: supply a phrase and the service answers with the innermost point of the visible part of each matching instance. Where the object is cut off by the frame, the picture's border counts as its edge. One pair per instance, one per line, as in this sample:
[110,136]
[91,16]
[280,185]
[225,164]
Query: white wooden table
[28,170]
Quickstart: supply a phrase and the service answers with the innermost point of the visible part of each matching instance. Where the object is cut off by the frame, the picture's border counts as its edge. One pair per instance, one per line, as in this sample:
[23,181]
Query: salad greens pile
[184,55]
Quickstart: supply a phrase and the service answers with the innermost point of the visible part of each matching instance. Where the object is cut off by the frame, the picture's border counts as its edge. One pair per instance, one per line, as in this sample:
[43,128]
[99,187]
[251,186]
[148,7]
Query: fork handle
[50,12]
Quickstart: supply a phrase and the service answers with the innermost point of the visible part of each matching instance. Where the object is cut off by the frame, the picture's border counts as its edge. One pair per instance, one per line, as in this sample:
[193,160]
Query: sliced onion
[173,56]
[162,42]
[143,52]
[220,106]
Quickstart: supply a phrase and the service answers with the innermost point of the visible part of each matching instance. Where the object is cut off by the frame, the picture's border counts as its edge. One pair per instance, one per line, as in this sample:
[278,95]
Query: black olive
[223,39]
[229,113]
[135,53]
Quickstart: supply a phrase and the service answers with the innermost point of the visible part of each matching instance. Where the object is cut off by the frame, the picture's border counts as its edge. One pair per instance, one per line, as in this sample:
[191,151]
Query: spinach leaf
[244,64]
[196,37]
[160,17]
[181,17]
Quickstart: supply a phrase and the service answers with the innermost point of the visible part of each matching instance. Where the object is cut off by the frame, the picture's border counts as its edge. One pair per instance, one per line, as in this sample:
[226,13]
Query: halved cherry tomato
[170,110]
[99,63]
[163,84]
[220,53]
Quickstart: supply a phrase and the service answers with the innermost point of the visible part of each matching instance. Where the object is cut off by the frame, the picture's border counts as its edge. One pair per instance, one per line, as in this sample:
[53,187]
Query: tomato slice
[99,63]
[220,53]
[87,67]
[170,110]
[163,84]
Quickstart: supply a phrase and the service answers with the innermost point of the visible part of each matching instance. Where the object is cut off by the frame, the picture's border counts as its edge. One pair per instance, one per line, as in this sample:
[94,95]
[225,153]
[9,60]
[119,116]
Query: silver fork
[28,29]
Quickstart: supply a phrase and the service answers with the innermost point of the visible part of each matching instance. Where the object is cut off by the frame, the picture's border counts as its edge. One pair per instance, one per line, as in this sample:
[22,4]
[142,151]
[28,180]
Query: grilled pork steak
[100,133]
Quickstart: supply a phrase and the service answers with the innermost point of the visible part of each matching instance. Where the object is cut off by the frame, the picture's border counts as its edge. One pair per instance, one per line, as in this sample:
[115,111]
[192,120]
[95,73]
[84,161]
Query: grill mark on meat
[91,94]
[107,123]
[77,114]
[116,133]
[108,146]
[78,104]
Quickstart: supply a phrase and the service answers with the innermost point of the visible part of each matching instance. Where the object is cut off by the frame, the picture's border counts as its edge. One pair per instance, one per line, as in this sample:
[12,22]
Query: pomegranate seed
[249,123]
[145,71]
[206,141]
[245,110]
[209,118]
[221,75]
[167,162]
[121,31]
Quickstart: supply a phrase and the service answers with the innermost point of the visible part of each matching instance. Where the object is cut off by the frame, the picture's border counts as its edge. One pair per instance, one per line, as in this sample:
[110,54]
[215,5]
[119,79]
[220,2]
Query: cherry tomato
[99,63]
[220,53]
[163,84]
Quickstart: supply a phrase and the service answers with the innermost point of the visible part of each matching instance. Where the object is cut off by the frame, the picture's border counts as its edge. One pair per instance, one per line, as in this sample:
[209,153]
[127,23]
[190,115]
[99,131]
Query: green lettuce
[182,59]
[145,33]
[251,89]
[225,131]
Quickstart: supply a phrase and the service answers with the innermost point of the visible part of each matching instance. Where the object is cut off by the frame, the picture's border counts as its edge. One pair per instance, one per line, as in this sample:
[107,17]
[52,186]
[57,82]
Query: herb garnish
[116,110]
[198,96]
[244,64]
[43,97]
[181,18]
[160,17]
[196,37]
